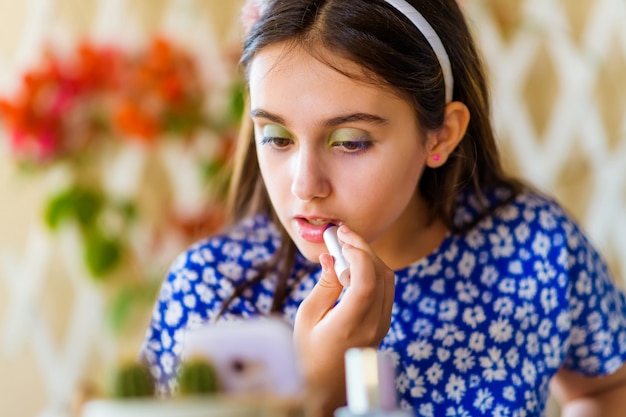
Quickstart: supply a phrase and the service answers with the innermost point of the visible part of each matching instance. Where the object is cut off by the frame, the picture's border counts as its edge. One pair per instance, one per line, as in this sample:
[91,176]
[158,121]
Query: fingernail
[344,229]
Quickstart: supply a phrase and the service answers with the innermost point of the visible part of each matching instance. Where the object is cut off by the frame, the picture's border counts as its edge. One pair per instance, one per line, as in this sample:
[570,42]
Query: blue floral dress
[478,327]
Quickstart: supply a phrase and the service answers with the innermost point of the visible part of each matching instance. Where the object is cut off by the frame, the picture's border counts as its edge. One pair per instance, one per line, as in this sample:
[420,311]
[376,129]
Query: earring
[435,157]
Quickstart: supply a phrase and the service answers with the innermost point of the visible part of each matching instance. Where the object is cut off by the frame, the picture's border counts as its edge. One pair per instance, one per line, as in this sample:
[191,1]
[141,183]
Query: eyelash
[275,142]
[353,146]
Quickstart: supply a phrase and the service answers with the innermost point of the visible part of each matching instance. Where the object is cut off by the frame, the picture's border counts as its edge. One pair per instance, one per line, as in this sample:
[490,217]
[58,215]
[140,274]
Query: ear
[443,141]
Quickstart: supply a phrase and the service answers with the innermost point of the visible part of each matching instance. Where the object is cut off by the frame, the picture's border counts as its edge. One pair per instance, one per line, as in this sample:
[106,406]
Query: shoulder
[247,243]
[208,271]
[548,223]
[530,232]
[527,214]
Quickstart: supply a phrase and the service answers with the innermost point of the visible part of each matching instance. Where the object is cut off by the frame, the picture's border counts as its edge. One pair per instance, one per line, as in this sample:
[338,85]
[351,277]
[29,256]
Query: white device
[252,356]
[342,268]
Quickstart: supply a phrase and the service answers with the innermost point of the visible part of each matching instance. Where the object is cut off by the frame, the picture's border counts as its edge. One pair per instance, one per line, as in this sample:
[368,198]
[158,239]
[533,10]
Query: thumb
[328,279]
[324,294]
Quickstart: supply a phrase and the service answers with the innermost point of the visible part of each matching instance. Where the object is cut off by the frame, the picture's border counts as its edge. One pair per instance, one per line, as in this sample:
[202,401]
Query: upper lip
[317,218]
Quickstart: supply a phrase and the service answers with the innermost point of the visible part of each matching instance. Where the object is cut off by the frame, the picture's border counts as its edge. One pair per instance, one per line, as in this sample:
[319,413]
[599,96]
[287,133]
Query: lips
[312,229]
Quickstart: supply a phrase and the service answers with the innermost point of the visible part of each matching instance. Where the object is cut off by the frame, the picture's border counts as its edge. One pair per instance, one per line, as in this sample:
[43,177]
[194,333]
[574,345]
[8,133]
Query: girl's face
[336,150]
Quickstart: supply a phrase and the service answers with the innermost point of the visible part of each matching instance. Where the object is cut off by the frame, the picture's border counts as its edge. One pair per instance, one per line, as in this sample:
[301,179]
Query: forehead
[285,63]
[284,55]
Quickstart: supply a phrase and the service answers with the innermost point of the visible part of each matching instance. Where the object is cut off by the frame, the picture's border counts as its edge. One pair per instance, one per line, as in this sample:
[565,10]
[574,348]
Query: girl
[374,115]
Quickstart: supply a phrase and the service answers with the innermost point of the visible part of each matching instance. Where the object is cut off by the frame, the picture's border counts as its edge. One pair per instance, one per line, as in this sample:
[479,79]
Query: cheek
[384,193]
[396,172]
[275,176]
[387,189]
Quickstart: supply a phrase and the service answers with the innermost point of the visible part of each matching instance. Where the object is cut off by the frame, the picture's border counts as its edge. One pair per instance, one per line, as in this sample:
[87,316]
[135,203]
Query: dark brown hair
[395,55]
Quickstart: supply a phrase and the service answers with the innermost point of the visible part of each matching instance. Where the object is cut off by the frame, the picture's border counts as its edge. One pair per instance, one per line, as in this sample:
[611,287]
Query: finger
[324,294]
[363,300]
[363,270]
[382,274]
[371,294]
[389,293]
[347,236]
[365,266]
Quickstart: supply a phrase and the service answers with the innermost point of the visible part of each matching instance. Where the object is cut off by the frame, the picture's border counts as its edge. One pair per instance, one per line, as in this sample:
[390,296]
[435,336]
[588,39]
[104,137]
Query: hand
[324,331]
[586,396]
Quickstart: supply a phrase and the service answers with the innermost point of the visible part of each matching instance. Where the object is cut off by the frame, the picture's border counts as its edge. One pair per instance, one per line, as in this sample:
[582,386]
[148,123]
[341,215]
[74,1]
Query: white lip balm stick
[342,268]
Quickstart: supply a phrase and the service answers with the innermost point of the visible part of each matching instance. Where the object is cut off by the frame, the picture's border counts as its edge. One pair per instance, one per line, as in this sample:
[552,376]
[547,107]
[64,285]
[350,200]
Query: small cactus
[197,377]
[133,380]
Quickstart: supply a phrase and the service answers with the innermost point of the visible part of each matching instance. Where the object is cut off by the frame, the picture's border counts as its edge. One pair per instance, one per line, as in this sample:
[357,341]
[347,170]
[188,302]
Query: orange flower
[166,89]
[66,102]
[133,120]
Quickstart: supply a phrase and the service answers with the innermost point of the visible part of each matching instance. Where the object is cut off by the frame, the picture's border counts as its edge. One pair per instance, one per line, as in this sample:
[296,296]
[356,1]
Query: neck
[414,236]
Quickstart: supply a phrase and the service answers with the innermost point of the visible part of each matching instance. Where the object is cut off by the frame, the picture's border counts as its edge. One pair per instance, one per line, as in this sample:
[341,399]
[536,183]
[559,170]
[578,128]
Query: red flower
[166,91]
[65,103]
[134,121]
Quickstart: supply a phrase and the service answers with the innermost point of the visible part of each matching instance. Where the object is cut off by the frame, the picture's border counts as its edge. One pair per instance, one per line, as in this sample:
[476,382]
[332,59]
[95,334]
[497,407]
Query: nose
[310,180]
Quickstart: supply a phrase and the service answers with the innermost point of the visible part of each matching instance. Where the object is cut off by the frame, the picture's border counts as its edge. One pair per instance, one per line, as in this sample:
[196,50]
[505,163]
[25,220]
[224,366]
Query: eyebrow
[332,122]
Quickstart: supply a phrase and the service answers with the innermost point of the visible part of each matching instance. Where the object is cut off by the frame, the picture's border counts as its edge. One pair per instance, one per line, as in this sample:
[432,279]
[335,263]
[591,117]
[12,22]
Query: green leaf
[237,101]
[57,209]
[130,300]
[183,120]
[87,205]
[121,308]
[210,169]
[128,210]
[81,205]
[102,254]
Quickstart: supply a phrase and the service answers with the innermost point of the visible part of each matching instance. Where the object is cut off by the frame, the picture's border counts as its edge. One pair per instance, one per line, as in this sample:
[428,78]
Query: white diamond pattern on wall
[575,120]
[55,330]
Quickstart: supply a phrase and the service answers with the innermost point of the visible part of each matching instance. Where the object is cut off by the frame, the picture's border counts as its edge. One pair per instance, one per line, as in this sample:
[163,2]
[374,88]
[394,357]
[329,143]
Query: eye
[351,140]
[351,146]
[276,136]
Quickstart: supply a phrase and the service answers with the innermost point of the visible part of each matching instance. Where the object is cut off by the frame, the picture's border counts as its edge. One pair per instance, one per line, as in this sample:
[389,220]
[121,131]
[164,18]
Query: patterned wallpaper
[560,104]
[55,337]
[559,107]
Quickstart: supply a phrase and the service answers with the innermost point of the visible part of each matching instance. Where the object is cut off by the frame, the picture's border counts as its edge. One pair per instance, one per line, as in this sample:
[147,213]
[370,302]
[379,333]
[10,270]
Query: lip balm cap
[370,385]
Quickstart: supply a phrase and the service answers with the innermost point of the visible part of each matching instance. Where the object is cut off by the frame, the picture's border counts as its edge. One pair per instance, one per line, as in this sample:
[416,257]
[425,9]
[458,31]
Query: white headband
[433,39]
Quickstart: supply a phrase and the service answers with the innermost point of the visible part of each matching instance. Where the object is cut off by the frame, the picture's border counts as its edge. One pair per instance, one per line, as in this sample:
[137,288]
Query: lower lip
[309,232]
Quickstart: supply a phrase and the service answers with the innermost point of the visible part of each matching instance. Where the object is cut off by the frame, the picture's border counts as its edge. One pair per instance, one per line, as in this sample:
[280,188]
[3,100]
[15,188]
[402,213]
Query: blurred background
[117,120]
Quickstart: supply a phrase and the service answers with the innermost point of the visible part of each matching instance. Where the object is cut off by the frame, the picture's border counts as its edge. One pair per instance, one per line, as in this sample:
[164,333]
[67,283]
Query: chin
[310,251]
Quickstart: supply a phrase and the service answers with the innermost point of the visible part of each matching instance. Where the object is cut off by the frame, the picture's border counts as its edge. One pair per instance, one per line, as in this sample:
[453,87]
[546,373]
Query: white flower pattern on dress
[478,327]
